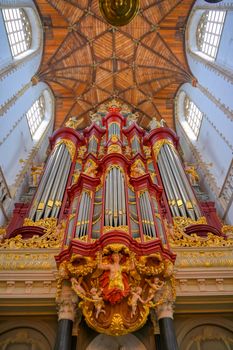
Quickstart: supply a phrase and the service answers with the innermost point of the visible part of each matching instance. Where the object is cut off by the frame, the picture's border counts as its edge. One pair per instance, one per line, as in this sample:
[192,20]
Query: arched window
[192,115]
[36,114]
[209,32]
[18,30]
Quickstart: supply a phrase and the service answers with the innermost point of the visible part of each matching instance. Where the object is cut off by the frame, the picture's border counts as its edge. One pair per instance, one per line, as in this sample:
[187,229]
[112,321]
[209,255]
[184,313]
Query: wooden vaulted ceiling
[86,61]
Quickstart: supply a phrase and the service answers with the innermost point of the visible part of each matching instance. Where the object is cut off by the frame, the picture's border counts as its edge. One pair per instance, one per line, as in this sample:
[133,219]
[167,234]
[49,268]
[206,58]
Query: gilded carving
[137,169]
[117,288]
[90,168]
[52,237]
[159,144]
[114,149]
[81,151]
[72,123]
[178,238]
[69,145]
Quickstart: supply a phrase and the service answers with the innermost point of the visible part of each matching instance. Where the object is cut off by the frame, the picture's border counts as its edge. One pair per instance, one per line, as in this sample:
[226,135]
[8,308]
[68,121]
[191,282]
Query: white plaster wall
[16,96]
[213,96]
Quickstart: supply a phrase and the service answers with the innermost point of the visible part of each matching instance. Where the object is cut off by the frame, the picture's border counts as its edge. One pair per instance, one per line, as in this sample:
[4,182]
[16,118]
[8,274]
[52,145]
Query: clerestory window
[192,115]
[18,30]
[209,32]
[36,114]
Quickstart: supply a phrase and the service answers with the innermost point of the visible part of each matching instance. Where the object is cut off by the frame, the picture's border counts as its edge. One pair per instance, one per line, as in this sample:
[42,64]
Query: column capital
[165,310]
[67,303]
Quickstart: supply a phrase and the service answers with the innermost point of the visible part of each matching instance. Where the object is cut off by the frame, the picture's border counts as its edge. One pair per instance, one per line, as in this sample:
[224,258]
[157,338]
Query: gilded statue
[72,123]
[90,168]
[76,286]
[36,171]
[134,299]
[81,152]
[137,169]
[155,285]
[147,151]
[98,300]
[114,281]
[192,174]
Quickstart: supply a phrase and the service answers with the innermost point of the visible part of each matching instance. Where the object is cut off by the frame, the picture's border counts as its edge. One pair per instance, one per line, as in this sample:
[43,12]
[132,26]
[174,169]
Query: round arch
[106,342]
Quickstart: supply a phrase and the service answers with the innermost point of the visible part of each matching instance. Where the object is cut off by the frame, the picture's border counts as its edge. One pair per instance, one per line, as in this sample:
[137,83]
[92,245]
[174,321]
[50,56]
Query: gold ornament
[119,12]
[178,238]
[119,228]
[159,144]
[114,149]
[118,303]
[90,168]
[137,169]
[52,237]
[69,145]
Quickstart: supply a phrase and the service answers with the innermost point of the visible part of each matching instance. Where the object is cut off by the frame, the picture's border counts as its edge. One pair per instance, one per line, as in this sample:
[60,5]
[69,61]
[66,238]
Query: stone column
[167,332]
[67,305]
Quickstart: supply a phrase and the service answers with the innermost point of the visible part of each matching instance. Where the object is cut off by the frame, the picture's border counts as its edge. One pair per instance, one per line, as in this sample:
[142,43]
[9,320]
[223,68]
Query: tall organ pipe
[55,178]
[187,185]
[179,181]
[178,196]
[43,182]
[115,207]
[54,187]
[168,185]
[61,189]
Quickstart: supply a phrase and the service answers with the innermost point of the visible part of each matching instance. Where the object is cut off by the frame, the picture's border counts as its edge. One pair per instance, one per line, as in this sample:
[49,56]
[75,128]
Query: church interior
[116,175]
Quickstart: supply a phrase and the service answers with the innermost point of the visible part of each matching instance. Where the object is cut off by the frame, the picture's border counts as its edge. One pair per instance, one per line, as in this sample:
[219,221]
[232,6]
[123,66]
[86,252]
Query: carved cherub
[192,173]
[76,285]
[90,168]
[154,287]
[133,300]
[137,169]
[147,151]
[98,300]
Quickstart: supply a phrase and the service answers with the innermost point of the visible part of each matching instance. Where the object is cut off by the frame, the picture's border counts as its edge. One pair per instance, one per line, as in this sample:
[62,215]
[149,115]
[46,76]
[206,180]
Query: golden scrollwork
[114,149]
[145,266]
[159,144]
[117,325]
[81,152]
[52,237]
[90,168]
[83,265]
[69,145]
[137,169]
[178,238]
[119,13]
[72,123]
[119,228]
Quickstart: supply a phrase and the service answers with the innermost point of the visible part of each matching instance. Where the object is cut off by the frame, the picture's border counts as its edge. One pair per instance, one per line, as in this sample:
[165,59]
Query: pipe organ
[116,191]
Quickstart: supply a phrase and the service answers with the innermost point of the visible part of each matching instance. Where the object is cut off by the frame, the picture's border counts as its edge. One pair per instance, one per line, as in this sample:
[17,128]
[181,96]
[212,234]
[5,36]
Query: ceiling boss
[119,12]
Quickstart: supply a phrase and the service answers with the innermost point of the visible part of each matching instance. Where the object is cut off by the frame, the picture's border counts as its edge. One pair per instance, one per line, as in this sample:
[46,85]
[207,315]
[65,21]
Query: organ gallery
[110,207]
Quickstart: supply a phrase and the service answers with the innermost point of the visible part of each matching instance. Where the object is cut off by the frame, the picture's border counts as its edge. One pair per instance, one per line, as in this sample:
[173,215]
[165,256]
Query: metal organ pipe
[168,186]
[185,182]
[42,184]
[178,196]
[115,207]
[179,181]
[52,186]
